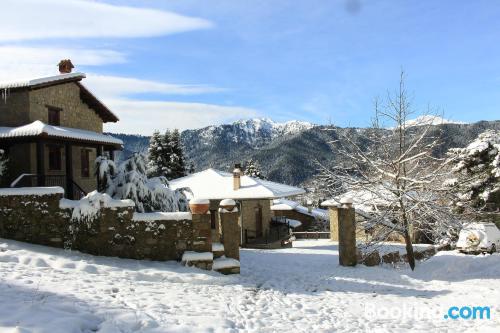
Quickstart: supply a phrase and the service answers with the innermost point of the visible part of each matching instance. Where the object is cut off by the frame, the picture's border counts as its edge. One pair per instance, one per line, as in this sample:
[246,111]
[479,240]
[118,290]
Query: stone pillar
[343,229]
[347,236]
[202,238]
[333,212]
[231,232]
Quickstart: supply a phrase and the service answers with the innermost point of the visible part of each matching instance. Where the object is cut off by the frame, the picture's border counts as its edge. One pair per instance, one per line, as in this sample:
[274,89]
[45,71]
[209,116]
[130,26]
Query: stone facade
[75,113]
[251,212]
[38,219]
[15,110]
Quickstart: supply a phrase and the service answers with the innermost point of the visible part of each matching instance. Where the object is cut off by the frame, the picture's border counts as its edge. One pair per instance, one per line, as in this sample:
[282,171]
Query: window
[54,116]
[54,158]
[85,160]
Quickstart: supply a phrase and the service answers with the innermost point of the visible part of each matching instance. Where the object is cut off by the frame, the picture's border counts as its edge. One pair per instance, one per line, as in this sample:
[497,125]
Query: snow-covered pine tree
[252,169]
[158,154]
[177,164]
[476,174]
[129,181]
[104,170]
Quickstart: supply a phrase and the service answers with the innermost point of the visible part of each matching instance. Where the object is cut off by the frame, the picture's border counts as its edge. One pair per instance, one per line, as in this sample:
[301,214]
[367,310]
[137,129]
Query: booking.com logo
[412,312]
[468,312]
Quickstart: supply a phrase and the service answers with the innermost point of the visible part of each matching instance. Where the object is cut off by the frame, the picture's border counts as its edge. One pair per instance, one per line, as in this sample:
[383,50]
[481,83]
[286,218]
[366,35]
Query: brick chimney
[237,177]
[65,66]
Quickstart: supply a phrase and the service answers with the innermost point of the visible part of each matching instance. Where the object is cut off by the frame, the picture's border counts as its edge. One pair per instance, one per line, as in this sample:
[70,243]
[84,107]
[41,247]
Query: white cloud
[113,86]
[143,117]
[18,62]
[35,19]
[137,116]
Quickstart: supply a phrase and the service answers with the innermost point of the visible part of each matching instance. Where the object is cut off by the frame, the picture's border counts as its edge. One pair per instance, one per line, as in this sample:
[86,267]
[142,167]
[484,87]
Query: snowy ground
[291,290]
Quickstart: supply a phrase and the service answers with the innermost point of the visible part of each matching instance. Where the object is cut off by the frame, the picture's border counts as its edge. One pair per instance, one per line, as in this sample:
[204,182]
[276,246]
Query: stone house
[310,218]
[52,131]
[254,197]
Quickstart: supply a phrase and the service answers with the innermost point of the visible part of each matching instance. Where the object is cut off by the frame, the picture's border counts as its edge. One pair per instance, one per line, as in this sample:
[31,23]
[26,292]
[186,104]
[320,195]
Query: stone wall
[34,219]
[111,231]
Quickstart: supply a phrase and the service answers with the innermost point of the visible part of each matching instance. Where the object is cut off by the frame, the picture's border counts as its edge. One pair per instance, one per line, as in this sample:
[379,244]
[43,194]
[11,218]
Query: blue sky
[190,63]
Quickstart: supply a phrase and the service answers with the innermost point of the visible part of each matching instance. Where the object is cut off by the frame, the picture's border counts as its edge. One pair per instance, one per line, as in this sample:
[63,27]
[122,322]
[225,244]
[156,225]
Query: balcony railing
[71,189]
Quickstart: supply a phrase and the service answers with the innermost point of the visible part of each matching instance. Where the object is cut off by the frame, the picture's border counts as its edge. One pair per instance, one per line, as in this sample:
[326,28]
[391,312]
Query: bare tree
[391,172]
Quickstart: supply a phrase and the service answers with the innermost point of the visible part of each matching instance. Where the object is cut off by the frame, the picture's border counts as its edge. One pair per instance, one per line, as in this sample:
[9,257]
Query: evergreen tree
[159,155]
[252,169]
[476,174]
[129,181]
[166,156]
[177,165]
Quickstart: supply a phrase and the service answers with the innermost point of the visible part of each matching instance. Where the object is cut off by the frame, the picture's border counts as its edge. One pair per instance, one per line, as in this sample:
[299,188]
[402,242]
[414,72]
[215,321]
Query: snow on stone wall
[98,225]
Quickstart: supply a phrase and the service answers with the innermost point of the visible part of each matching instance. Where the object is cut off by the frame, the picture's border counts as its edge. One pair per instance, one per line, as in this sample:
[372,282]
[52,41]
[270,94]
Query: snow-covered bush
[476,173]
[129,181]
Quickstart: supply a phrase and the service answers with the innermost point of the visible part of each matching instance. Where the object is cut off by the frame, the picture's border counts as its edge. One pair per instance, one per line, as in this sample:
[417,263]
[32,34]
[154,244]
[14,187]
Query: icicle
[5,94]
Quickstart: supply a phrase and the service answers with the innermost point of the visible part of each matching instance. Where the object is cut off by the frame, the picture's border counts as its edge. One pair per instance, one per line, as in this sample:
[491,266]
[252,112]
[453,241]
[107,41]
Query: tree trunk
[409,250]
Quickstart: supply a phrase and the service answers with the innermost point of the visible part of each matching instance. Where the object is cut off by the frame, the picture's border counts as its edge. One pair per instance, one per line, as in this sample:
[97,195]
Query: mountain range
[287,152]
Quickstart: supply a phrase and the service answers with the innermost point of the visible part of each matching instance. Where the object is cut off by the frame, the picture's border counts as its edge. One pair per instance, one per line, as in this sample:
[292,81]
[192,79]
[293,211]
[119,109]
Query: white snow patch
[289,290]
[199,201]
[31,191]
[217,247]
[162,216]
[223,262]
[189,256]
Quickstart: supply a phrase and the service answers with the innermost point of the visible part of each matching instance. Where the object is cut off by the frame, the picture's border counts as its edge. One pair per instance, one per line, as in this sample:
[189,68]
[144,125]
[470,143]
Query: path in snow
[300,290]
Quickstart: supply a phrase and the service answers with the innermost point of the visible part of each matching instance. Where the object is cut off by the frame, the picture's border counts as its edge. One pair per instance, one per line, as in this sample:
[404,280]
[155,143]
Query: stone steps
[203,260]
[218,250]
[215,260]
[226,266]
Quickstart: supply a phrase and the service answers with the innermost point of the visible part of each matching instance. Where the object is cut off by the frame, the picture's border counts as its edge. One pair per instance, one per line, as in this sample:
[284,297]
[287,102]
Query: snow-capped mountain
[430,120]
[287,152]
[254,132]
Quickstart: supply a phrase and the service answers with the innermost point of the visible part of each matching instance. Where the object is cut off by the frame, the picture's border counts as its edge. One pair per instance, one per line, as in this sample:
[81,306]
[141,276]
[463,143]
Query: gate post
[343,229]
[231,232]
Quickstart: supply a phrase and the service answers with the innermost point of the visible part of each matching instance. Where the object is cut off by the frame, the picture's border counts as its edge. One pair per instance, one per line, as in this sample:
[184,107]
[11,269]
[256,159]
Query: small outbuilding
[253,196]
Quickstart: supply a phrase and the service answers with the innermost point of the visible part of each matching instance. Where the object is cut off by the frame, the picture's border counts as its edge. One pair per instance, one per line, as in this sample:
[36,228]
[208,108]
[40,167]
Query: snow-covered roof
[365,199]
[40,81]
[37,128]
[283,204]
[215,184]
